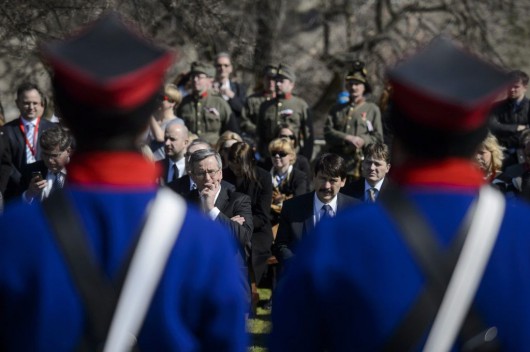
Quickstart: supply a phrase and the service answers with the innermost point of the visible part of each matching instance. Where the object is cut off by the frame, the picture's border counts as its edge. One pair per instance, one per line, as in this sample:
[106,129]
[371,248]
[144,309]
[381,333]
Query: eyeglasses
[203,174]
[279,154]
[165,98]
[291,136]
[168,99]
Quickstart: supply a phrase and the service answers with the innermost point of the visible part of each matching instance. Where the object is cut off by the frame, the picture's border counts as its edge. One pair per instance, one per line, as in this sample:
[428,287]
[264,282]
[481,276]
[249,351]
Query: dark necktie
[58,183]
[175,172]
[327,212]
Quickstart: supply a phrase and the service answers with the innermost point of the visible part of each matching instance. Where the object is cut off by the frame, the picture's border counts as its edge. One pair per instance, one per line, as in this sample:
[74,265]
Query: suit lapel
[309,225]
[222,199]
[20,142]
[166,170]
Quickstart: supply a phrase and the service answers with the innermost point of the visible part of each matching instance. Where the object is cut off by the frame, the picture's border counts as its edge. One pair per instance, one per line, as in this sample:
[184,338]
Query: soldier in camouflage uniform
[285,108]
[351,126]
[250,112]
[205,112]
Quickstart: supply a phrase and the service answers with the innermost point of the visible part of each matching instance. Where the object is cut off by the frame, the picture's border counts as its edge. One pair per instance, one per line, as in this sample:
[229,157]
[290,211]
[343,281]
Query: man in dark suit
[233,93]
[300,214]
[23,134]
[184,185]
[221,204]
[374,168]
[175,145]
[47,175]
[233,209]
[5,162]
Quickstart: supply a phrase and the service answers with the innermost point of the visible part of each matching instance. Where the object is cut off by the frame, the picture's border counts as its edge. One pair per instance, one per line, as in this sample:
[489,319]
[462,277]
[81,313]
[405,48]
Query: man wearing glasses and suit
[221,203]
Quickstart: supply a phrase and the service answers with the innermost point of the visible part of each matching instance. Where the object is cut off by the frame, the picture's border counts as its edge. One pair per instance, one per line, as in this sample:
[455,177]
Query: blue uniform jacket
[199,304]
[354,279]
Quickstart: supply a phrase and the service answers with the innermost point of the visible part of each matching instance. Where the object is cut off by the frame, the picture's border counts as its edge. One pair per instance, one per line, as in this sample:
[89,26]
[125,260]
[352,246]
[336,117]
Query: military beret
[287,72]
[203,67]
[108,65]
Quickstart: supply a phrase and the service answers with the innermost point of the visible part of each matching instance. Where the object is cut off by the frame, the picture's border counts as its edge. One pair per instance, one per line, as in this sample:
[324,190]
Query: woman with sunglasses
[164,113]
[301,163]
[287,181]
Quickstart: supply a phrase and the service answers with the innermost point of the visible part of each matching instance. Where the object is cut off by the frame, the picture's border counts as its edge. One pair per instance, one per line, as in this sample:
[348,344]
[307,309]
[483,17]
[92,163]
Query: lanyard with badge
[32,147]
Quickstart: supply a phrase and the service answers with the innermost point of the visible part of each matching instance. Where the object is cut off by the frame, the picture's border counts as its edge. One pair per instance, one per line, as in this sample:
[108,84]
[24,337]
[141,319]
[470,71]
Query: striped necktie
[30,136]
[372,194]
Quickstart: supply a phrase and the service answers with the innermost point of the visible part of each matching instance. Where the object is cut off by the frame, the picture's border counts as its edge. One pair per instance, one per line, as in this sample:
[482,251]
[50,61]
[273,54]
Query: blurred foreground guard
[374,278]
[198,302]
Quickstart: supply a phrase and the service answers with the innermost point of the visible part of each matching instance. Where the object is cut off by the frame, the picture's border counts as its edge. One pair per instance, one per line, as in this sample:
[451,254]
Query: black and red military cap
[444,87]
[108,64]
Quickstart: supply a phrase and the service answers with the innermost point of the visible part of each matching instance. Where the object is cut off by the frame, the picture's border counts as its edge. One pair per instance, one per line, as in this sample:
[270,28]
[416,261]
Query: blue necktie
[327,212]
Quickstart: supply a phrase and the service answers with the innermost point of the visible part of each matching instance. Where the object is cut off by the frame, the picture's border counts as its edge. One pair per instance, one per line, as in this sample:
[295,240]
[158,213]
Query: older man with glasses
[221,203]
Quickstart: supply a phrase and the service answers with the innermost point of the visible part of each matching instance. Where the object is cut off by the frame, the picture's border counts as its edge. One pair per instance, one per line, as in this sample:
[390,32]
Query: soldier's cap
[446,88]
[286,72]
[270,70]
[357,72]
[108,64]
[202,67]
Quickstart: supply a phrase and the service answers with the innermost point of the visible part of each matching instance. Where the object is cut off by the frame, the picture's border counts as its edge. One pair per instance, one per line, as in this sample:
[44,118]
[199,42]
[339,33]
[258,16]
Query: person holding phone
[49,173]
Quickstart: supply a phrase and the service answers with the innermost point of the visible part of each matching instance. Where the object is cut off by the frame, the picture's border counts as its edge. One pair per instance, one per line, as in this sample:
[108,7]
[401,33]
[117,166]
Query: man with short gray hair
[221,203]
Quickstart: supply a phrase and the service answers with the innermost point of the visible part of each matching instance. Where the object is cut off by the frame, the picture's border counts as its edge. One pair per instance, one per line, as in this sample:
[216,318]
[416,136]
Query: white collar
[273,174]
[28,122]
[377,185]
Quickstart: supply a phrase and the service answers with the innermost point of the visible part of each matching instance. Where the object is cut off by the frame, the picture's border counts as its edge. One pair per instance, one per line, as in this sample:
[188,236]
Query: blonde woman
[169,99]
[489,158]
[287,181]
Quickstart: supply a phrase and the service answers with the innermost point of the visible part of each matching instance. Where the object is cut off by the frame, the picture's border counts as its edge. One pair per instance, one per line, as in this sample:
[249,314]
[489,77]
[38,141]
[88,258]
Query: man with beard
[300,214]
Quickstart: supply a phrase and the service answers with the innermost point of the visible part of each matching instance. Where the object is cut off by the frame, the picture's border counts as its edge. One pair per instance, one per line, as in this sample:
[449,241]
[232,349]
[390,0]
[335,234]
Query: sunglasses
[222,65]
[166,98]
[279,154]
[291,136]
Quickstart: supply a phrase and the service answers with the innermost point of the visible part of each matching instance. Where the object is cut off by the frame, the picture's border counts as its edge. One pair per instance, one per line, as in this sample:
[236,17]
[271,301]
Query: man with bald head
[175,145]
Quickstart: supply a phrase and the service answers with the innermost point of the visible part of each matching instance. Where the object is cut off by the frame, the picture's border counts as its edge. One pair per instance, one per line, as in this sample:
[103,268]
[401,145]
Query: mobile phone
[36,174]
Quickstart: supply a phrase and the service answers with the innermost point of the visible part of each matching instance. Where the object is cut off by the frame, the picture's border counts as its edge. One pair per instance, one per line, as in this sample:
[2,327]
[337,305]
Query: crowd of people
[256,196]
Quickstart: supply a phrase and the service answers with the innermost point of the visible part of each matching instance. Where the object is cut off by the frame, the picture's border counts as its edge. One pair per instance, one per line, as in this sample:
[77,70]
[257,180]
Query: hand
[36,185]
[227,91]
[358,142]
[208,195]
[277,197]
[521,128]
[238,218]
